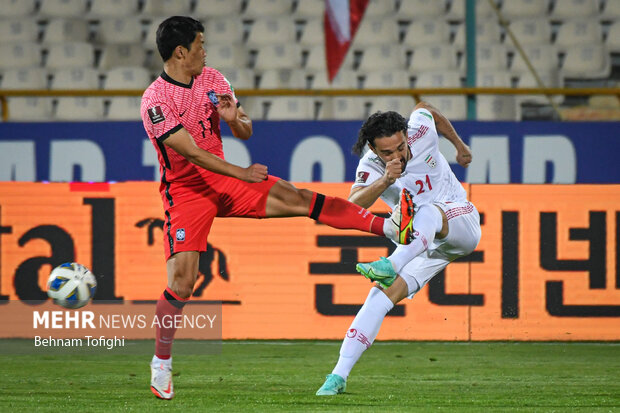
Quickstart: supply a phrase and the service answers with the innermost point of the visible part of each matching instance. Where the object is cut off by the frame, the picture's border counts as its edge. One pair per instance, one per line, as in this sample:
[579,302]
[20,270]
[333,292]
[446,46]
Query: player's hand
[227,108]
[393,170]
[463,156]
[255,173]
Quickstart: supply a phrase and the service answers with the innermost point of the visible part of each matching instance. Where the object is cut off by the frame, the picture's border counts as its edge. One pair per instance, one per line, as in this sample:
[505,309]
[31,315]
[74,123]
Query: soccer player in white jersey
[404,161]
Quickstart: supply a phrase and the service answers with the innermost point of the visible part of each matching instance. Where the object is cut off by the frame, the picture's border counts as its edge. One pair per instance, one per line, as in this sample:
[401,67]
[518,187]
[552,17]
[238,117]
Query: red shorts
[188,221]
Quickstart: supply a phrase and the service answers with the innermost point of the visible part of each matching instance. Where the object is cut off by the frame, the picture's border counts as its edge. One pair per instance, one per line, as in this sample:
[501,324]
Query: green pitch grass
[284,375]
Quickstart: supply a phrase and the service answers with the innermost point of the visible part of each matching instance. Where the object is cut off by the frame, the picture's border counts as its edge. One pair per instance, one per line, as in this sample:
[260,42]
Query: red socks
[168,306]
[341,214]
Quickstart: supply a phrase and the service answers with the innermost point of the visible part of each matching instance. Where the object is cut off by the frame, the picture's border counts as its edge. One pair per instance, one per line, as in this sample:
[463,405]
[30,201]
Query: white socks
[426,222]
[363,331]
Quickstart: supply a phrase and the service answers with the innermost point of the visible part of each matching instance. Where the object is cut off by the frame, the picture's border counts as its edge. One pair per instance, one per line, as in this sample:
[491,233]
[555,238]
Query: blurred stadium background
[279,46]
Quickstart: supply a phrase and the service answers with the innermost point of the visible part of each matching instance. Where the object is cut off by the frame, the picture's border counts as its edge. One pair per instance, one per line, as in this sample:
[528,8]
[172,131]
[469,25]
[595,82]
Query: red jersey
[168,105]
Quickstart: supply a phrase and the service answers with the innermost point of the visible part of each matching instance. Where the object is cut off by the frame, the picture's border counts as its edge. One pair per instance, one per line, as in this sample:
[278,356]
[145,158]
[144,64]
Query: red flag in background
[342,18]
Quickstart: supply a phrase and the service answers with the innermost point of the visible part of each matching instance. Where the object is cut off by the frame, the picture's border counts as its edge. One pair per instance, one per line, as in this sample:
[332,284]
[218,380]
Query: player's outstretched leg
[334,384]
[161,378]
[380,271]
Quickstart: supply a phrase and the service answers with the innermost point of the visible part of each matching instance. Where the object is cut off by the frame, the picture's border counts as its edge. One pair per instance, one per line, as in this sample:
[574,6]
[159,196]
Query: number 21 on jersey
[421,184]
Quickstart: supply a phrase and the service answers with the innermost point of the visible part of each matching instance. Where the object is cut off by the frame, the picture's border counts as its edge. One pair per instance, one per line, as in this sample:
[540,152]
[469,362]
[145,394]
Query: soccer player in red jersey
[181,111]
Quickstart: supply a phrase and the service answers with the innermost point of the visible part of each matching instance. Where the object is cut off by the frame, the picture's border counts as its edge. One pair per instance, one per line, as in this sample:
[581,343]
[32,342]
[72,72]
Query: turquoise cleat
[380,271]
[334,384]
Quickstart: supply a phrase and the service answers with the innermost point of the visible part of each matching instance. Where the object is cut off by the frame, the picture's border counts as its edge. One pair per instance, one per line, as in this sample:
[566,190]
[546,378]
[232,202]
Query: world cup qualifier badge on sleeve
[156,114]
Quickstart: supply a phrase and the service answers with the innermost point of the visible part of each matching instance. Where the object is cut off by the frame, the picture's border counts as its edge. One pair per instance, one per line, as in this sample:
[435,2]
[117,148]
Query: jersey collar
[168,79]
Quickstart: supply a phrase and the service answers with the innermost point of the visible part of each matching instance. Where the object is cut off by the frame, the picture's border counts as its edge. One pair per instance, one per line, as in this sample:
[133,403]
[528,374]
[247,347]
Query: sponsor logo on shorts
[351,333]
[181,234]
[156,114]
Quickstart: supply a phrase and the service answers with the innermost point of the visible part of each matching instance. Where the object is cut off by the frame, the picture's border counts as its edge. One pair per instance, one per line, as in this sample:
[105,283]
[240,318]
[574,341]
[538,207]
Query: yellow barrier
[415,93]
[546,268]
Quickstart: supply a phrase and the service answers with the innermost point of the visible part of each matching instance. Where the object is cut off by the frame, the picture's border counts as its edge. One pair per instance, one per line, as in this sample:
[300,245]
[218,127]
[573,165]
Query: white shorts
[463,237]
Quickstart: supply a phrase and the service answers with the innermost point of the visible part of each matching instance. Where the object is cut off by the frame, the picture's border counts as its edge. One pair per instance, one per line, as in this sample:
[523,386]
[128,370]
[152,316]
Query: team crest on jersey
[156,114]
[430,161]
[181,234]
[362,177]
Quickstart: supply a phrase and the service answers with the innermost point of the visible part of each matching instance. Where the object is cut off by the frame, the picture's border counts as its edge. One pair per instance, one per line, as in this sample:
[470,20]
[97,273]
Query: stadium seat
[282,79]
[119,30]
[517,9]
[438,78]
[206,9]
[62,8]
[18,30]
[611,10]
[401,104]
[278,56]
[226,55]
[67,55]
[112,8]
[255,107]
[375,31]
[78,109]
[586,62]
[291,108]
[574,9]
[383,57]
[315,58]
[457,10]
[24,78]
[124,108]
[270,30]
[313,33]
[495,107]
[613,37]
[549,79]
[309,9]
[75,79]
[421,9]
[222,30]
[453,107]
[543,57]
[380,8]
[157,8]
[346,108]
[487,31]
[433,57]
[489,57]
[127,78]
[239,77]
[345,79]
[30,109]
[17,55]
[16,8]
[578,32]
[122,55]
[387,79]
[258,8]
[529,31]
[423,32]
[151,31]
[61,30]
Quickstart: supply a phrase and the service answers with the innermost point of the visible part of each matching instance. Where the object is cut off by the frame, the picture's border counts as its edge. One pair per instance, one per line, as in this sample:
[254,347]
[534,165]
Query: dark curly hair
[379,125]
[176,31]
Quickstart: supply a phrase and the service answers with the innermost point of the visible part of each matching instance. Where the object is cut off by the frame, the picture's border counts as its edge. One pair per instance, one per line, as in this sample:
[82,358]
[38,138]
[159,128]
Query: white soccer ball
[71,285]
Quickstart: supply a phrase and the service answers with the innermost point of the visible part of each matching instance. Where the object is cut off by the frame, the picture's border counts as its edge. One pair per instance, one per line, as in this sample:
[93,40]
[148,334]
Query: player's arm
[444,127]
[181,142]
[239,122]
[365,196]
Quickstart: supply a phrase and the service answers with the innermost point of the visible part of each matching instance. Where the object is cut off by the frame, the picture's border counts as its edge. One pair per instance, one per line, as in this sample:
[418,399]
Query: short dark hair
[176,31]
[379,125]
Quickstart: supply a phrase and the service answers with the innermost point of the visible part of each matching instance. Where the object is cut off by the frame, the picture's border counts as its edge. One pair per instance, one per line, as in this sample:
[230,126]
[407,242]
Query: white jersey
[427,175]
